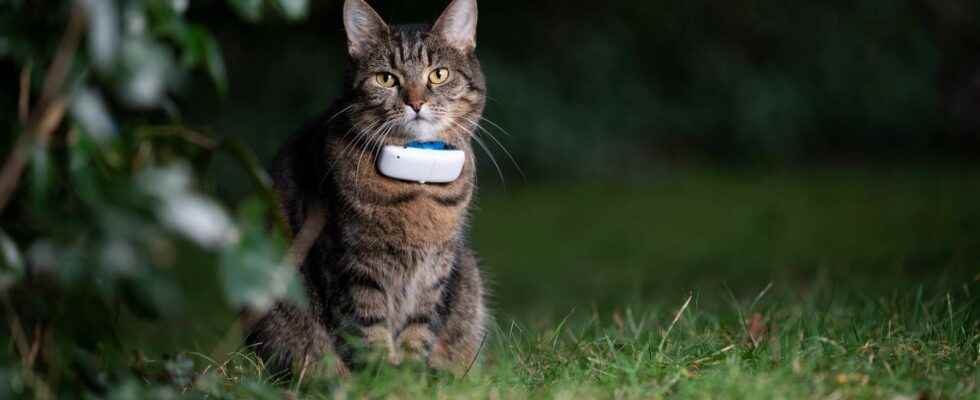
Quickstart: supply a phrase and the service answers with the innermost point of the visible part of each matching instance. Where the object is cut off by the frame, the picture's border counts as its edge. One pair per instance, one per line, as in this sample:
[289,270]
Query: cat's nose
[416,104]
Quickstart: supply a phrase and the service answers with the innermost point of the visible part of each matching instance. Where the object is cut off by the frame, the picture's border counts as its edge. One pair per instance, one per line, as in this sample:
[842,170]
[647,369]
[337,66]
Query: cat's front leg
[369,311]
[464,317]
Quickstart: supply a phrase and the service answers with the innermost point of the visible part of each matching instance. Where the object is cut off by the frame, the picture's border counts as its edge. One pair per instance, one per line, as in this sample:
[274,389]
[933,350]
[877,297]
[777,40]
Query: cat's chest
[408,215]
[416,290]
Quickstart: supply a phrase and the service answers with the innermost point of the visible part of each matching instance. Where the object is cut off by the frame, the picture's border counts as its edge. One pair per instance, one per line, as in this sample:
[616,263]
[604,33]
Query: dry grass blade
[677,317]
[483,342]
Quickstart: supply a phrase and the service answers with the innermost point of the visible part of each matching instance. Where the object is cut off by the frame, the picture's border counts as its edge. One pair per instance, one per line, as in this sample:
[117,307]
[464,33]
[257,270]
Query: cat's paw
[381,344]
[416,341]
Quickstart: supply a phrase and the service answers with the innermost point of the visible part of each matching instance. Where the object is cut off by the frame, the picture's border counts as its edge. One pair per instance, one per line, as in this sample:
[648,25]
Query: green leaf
[41,177]
[11,262]
[103,31]
[90,111]
[83,172]
[147,71]
[252,273]
[210,53]
[250,10]
[197,48]
[293,9]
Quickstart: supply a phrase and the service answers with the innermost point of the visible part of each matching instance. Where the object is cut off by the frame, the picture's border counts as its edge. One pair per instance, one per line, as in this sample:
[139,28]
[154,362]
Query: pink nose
[416,104]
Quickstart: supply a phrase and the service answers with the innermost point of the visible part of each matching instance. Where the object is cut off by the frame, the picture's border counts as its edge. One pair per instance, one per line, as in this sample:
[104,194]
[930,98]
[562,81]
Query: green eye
[439,76]
[385,79]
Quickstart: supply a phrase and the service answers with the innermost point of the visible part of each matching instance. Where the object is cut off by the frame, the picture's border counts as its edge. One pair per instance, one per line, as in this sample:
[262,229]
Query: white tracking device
[422,162]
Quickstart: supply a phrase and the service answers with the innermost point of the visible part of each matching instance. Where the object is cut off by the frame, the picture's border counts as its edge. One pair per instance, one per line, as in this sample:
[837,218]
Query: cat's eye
[385,79]
[439,76]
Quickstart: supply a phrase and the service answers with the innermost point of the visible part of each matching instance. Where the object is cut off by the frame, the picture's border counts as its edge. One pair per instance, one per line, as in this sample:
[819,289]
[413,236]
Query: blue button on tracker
[434,145]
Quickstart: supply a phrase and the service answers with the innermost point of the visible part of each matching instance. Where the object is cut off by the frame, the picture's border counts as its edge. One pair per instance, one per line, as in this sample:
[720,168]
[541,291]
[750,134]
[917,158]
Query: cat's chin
[422,130]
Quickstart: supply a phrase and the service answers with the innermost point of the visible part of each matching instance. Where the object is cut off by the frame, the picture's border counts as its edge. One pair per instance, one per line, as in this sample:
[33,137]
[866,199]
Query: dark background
[623,88]
[676,145]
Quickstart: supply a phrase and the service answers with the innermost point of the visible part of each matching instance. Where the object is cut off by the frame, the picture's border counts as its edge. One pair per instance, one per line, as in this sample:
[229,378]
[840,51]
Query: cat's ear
[457,25]
[364,27]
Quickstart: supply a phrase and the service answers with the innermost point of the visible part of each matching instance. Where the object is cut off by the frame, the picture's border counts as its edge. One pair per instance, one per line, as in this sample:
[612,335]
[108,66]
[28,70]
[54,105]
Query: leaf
[179,6]
[84,175]
[250,10]
[11,262]
[293,9]
[198,48]
[103,32]
[192,215]
[89,110]
[198,218]
[208,53]
[146,72]
[41,177]
[253,273]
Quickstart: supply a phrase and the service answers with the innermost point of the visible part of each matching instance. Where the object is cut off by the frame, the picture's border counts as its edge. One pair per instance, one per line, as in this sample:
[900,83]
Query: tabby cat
[390,266]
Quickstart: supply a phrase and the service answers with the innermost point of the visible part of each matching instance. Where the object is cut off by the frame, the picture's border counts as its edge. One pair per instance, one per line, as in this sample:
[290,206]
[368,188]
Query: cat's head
[414,82]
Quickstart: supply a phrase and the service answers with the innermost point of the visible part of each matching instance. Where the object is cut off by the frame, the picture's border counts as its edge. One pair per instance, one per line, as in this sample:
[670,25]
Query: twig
[17,331]
[49,112]
[304,240]
[37,134]
[58,71]
[24,101]
[189,135]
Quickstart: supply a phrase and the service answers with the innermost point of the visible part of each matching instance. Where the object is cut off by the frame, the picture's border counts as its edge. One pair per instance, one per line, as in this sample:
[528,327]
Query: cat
[391,267]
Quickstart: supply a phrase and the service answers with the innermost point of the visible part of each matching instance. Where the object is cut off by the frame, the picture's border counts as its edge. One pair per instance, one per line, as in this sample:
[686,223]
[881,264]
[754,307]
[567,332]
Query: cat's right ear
[364,27]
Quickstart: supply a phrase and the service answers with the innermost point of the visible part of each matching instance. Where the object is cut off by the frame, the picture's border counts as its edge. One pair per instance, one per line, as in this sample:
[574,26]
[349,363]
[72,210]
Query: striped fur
[391,268]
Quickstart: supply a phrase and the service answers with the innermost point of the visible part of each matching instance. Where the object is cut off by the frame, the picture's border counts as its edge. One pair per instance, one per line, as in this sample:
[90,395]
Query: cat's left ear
[457,25]
[364,27]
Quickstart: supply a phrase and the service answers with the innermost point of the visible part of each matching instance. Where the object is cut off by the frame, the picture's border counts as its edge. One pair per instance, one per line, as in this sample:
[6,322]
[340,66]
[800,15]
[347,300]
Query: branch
[49,112]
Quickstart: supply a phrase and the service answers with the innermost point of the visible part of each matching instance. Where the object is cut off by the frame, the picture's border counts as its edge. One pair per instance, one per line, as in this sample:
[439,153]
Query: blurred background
[671,145]
[622,88]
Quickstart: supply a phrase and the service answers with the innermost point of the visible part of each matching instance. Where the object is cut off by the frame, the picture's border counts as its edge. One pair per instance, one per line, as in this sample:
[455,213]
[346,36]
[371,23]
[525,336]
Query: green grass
[840,283]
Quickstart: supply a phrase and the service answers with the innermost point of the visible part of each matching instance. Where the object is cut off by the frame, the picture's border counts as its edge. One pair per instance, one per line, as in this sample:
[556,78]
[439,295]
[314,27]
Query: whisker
[355,127]
[501,145]
[500,172]
[486,150]
[360,136]
[482,118]
[342,110]
[360,156]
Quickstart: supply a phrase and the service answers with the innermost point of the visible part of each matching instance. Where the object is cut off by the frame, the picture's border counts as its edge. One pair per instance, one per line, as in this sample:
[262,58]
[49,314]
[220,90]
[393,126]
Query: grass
[840,283]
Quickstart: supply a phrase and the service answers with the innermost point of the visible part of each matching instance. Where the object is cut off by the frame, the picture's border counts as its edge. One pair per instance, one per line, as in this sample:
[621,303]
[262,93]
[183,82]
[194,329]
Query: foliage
[106,217]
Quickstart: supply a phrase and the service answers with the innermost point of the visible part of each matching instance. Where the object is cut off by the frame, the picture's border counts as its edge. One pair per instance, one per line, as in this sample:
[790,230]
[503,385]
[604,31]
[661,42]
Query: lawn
[829,283]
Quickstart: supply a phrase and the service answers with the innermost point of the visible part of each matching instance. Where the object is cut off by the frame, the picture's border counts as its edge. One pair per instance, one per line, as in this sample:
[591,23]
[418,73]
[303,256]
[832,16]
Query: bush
[111,241]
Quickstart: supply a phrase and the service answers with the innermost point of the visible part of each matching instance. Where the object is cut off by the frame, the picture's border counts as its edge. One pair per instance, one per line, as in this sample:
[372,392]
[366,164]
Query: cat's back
[298,169]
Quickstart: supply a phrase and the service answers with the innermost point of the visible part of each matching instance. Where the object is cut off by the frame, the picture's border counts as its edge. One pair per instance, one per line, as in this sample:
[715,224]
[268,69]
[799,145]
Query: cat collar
[423,162]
